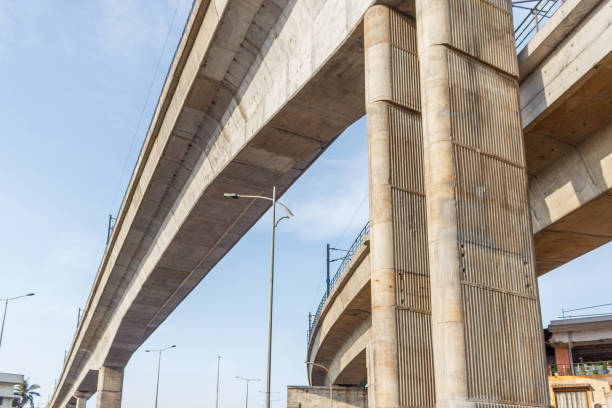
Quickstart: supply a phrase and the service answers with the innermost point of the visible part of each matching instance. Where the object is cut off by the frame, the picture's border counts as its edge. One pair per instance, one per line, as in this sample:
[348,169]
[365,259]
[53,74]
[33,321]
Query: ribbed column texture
[398,198]
[468,45]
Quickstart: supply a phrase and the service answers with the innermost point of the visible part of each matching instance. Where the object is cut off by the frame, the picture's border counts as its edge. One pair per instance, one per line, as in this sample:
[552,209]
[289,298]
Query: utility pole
[78,318]
[309,325]
[327,264]
[110,227]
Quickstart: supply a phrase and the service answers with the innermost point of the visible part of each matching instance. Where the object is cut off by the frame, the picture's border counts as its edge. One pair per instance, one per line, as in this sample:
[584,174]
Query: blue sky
[74,81]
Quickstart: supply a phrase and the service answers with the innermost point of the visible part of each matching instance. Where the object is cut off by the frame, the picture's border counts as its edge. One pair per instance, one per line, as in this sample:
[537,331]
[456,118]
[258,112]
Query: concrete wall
[318,397]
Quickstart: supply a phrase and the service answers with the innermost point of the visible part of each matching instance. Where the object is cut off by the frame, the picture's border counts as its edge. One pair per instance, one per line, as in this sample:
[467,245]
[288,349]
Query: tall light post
[247,381]
[4,314]
[159,353]
[331,390]
[275,223]
[218,368]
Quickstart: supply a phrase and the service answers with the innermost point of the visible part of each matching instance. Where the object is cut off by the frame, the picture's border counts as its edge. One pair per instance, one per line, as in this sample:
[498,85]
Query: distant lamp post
[218,369]
[331,395]
[275,223]
[4,315]
[247,381]
[159,353]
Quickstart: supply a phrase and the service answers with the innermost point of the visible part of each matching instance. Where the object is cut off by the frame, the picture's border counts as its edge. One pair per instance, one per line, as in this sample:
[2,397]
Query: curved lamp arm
[236,196]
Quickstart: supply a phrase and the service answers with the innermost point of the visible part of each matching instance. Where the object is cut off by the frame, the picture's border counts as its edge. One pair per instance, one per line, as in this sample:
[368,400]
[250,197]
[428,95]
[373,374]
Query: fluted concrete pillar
[486,327]
[400,368]
[110,386]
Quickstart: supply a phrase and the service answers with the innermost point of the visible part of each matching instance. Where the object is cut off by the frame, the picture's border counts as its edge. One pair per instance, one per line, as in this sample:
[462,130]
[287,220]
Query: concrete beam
[258,129]
[571,201]
[548,38]
[570,63]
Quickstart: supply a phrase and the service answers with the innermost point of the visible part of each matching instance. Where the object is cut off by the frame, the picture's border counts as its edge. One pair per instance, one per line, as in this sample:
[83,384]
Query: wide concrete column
[110,386]
[400,367]
[487,333]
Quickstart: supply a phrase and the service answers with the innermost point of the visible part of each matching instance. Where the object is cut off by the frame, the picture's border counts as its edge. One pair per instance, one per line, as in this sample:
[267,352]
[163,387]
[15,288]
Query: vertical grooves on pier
[415,356]
[498,283]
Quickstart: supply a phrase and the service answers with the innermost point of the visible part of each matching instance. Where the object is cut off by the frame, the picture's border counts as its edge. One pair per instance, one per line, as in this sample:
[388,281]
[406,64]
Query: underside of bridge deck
[257,91]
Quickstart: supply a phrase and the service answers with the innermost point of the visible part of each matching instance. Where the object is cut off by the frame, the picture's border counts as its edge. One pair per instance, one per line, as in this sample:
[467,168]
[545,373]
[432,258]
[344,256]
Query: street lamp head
[173,346]
[148,351]
[233,196]
[30,294]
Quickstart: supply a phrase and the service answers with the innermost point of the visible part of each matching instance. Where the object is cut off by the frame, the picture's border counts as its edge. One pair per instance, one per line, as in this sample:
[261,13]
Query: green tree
[25,393]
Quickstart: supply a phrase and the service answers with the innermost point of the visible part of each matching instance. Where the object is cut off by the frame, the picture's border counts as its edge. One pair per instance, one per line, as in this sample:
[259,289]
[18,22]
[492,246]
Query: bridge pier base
[110,386]
[399,355]
[486,327]
[81,400]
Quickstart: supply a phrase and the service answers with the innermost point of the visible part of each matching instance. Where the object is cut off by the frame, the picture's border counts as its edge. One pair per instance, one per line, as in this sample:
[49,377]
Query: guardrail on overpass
[537,12]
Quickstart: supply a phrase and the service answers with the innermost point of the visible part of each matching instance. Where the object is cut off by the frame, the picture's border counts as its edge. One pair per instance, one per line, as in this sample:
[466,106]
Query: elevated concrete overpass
[567,117]
[257,91]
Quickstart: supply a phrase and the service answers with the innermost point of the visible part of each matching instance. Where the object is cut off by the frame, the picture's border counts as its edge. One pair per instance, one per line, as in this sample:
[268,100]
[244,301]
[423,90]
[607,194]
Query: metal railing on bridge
[536,12]
[350,253]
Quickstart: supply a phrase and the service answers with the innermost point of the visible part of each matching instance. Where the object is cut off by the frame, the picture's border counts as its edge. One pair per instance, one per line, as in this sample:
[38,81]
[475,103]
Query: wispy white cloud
[335,205]
[128,25]
[19,25]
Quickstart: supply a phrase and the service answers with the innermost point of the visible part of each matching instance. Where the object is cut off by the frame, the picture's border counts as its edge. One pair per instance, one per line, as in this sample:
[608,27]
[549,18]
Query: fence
[588,368]
[536,13]
[312,320]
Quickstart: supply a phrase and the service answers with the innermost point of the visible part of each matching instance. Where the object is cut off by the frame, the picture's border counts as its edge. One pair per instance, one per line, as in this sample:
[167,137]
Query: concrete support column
[400,367]
[562,358]
[110,386]
[486,328]
[81,400]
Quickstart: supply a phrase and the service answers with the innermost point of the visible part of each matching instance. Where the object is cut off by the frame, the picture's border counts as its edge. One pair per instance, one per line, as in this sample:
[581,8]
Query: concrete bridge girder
[254,95]
[268,122]
[566,103]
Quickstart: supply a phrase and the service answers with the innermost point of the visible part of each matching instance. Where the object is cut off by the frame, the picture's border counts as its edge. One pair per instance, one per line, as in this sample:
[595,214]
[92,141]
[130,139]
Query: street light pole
[4,314]
[159,353]
[275,223]
[247,381]
[331,390]
[269,362]
[218,367]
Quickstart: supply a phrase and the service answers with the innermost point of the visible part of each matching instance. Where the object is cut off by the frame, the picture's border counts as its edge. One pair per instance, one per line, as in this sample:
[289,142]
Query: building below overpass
[579,353]
[7,388]
[578,350]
